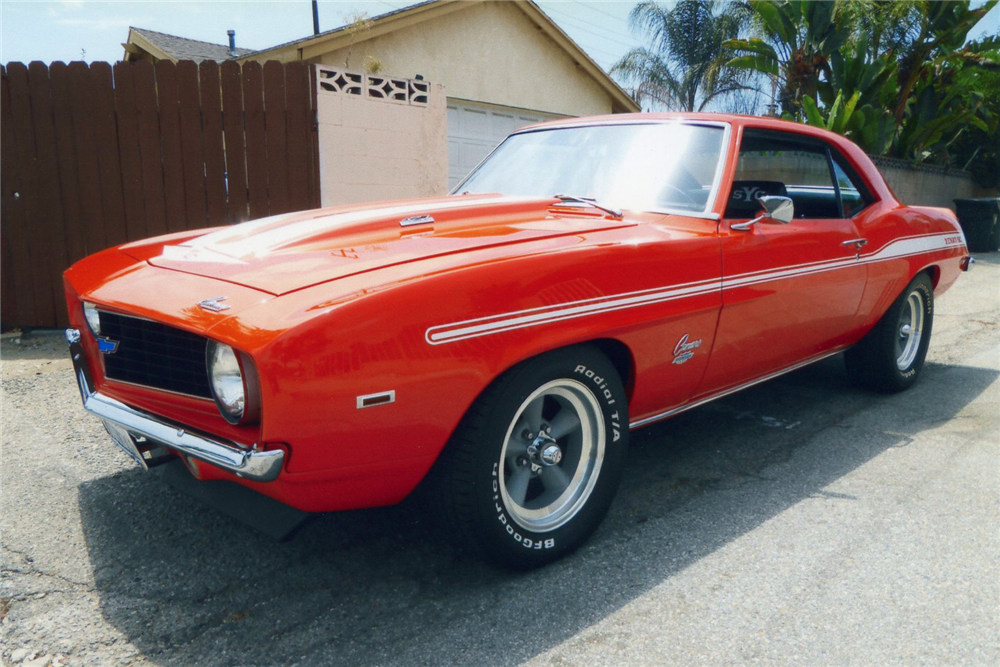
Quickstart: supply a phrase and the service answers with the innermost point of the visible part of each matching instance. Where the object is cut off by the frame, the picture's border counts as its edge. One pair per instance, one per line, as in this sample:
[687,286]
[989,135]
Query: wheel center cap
[543,450]
[551,455]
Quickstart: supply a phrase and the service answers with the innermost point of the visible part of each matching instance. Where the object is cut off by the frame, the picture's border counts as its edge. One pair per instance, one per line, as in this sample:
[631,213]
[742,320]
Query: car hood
[288,252]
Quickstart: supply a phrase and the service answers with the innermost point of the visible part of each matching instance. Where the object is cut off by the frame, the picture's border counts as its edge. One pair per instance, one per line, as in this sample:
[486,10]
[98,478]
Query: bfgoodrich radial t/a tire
[890,357]
[534,466]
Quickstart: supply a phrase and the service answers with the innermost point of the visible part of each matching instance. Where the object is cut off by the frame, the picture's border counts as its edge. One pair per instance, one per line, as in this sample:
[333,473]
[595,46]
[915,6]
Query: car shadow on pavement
[188,585]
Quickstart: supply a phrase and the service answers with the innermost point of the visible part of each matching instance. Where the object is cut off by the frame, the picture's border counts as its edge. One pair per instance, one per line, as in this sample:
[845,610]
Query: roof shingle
[182,48]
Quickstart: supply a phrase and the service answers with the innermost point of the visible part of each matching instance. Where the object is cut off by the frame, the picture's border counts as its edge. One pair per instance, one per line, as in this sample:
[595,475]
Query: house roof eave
[536,14]
[331,40]
[338,37]
[136,37]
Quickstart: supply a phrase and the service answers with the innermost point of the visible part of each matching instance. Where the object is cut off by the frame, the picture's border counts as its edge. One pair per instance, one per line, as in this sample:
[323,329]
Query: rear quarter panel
[932,234]
[902,242]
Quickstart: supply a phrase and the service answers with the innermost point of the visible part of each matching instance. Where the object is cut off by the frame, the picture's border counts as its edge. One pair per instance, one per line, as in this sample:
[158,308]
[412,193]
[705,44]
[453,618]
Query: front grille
[155,355]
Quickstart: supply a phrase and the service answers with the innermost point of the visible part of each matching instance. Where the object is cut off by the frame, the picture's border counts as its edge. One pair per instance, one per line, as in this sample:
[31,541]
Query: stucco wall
[373,150]
[485,52]
[920,185]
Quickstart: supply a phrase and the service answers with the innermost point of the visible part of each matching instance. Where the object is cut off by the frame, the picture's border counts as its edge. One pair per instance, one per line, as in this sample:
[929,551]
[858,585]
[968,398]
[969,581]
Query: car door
[790,291]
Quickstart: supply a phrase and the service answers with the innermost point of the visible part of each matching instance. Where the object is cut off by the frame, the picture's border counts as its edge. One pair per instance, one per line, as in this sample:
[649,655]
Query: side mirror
[777,209]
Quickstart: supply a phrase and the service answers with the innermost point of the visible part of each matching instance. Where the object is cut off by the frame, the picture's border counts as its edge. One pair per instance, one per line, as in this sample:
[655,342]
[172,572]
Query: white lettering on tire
[526,542]
[608,397]
[597,380]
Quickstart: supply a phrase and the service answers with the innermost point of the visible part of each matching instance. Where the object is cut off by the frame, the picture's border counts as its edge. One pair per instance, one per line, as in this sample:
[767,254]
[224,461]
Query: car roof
[645,117]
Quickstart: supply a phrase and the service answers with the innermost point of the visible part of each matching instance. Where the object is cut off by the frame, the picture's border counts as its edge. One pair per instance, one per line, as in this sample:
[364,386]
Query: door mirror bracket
[776,209]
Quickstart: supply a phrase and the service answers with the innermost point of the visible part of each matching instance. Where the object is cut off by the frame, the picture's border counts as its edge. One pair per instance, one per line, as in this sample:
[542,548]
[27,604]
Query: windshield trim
[707,213]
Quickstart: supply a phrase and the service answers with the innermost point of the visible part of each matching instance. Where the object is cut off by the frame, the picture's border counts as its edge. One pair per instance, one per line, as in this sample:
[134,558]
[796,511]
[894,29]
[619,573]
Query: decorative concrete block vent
[380,137]
[390,89]
[339,81]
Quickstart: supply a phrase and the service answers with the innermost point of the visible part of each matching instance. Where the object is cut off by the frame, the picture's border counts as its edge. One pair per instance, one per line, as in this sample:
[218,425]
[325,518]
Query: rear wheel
[534,466]
[890,357]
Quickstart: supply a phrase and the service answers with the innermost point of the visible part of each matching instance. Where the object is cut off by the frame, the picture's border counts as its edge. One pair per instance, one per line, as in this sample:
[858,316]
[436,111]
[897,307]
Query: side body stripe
[520,319]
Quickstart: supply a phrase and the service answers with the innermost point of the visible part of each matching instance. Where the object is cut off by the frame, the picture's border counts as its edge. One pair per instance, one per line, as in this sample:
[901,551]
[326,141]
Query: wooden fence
[93,156]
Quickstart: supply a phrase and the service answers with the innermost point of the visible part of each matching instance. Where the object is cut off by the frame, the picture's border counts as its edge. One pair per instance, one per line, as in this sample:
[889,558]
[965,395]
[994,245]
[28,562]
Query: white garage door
[475,129]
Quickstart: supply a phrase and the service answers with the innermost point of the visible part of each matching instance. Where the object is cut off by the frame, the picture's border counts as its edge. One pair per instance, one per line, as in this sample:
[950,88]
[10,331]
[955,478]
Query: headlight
[93,318]
[226,379]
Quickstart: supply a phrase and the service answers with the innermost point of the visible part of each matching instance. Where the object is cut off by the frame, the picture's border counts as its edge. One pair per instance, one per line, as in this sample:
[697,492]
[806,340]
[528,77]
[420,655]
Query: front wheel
[890,357]
[534,467]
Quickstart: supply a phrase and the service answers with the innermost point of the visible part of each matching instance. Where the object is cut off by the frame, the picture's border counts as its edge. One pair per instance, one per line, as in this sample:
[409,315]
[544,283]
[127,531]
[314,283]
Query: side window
[853,194]
[773,163]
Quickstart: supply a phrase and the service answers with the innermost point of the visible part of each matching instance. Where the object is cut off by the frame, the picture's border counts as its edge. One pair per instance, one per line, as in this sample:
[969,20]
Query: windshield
[643,167]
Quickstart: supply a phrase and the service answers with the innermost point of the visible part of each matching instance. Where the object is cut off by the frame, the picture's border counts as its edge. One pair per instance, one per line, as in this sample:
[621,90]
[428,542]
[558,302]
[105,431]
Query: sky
[94,30]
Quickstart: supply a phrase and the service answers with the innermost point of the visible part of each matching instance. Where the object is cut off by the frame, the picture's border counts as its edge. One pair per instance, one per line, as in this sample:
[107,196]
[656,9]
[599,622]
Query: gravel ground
[802,522]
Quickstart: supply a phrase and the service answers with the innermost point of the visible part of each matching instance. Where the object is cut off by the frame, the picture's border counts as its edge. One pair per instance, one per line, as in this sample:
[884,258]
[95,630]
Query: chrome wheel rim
[909,330]
[552,455]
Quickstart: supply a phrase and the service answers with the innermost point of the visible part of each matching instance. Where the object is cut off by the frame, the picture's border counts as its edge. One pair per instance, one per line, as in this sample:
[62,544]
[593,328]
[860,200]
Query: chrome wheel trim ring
[909,330]
[583,456]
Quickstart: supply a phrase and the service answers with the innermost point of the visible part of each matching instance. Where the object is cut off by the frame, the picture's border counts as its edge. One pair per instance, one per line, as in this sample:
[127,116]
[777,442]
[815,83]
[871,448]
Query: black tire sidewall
[872,362]
[922,284]
[503,538]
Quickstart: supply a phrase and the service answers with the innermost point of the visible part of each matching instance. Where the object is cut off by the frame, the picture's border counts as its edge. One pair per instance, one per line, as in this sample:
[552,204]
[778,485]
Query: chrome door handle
[858,242]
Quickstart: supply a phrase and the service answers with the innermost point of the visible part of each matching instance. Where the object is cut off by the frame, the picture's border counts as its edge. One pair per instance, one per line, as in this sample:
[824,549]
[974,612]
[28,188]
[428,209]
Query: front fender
[350,339]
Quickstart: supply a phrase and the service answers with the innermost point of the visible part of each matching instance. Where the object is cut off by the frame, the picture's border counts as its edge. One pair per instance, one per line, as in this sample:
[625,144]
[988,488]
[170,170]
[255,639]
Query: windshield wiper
[590,201]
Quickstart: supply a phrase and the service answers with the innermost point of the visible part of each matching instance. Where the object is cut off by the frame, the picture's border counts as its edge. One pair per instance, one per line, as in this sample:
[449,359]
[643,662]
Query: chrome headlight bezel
[232,380]
[93,318]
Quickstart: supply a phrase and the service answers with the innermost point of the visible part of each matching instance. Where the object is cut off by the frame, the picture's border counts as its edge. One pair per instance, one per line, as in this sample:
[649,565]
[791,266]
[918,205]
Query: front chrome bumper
[250,463]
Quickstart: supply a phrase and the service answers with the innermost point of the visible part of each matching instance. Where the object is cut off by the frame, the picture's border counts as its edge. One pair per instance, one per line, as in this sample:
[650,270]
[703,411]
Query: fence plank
[105,129]
[100,155]
[18,288]
[69,183]
[148,131]
[33,195]
[277,141]
[314,138]
[299,130]
[232,117]
[128,147]
[48,235]
[192,153]
[215,153]
[170,145]
[8,297]
[88,177]
[253,113]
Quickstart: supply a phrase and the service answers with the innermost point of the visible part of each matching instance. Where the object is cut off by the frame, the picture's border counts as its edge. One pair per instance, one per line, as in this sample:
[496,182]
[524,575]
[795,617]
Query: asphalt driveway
[802,522]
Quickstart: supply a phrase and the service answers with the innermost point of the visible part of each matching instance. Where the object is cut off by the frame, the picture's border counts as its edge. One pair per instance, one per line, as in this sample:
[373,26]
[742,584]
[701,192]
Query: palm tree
[794,45]
[941,32]
[684,67]
[884,27]
[795,40]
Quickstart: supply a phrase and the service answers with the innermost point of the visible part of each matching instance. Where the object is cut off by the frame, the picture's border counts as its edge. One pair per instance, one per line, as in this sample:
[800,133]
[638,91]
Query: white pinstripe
[484,326]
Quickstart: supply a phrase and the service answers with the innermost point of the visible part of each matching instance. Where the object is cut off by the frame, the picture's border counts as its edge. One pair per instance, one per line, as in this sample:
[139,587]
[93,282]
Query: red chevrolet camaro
[590,277]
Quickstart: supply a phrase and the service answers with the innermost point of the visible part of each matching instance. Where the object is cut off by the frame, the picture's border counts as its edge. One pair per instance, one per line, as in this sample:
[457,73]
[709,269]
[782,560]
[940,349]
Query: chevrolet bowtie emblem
[214,304]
